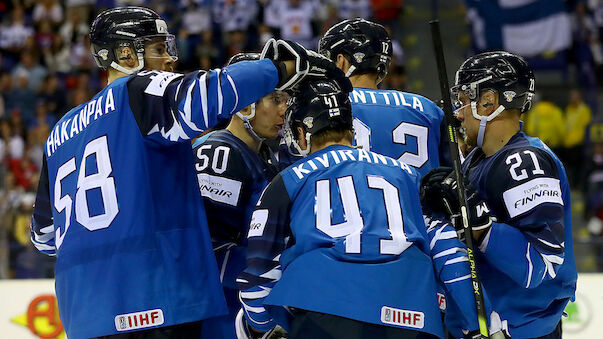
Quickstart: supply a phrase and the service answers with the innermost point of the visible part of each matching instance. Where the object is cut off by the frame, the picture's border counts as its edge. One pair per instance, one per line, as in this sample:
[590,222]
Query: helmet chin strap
[483,121]
[350,71]
[247,123]
[305,151]
[129,71]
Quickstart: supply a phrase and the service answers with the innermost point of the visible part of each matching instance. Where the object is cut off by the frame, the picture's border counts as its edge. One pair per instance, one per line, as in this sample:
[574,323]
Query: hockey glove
[323,68]
[431,191]
[244,331]
[478,211]
[279,51]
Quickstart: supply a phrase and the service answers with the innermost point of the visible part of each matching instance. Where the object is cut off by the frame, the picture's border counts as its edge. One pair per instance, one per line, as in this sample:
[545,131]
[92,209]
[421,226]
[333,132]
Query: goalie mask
[131,27]
[508,75]
[319,106]
[365,44]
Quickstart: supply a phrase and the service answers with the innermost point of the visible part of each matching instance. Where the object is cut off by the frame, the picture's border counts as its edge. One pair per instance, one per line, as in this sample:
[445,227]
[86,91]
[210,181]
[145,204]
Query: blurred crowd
[46,69]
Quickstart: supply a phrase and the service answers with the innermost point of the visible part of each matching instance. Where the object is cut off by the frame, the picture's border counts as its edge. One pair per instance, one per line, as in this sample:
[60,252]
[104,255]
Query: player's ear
[489,100]
[301,137]
[126,56]
[246,110]
[342,63]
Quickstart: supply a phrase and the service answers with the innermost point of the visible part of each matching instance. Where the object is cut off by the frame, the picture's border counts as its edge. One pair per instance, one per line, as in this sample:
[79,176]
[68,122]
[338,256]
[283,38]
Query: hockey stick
[456,161]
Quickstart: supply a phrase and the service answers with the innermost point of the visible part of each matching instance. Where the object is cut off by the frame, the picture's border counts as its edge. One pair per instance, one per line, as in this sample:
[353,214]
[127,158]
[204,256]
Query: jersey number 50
[352,227]
[99,180]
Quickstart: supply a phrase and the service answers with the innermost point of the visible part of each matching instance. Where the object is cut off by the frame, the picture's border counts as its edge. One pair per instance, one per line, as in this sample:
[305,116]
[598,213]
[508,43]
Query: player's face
[158,57]
[269,115]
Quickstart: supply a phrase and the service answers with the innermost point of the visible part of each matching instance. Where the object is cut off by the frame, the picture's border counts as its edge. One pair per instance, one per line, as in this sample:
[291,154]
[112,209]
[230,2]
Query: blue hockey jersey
[401,125]
[342,232]
[118,200]
[231,178]
[526,262]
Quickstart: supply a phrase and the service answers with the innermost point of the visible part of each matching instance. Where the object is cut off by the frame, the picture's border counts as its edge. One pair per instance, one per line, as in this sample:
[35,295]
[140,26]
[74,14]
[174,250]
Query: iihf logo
[122,322]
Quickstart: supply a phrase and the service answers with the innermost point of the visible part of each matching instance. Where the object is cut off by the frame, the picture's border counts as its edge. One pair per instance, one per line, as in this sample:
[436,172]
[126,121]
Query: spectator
[54,96]
[196,20]
[21,99]
[48,11]
[5,87]
[349,9]
[208,53]
[44,36]
[31,69]
[295,20]
[235,19]
[25,171]
[57,58]
[12,38]
[387,11]
[578,116]
[74,27]
[545,121]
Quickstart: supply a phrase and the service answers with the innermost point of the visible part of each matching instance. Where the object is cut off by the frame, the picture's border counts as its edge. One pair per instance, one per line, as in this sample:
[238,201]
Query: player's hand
[478,211]
[244,331]
[431,191]
[281,51]
[323,68]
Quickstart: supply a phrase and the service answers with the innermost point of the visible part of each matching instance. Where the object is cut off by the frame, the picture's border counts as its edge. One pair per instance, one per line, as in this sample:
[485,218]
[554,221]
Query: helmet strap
[350,71]
[247,123]
[293,146]
[129,71]
[483,121]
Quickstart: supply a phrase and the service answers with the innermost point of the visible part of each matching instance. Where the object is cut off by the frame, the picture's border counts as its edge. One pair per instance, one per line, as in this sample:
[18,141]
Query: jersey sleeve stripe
[456,260]
[530,266]
[465,277]
[449,252]
[256,294]
[274,274]
[234,89]
[220,96]
[203,95]
[440,235]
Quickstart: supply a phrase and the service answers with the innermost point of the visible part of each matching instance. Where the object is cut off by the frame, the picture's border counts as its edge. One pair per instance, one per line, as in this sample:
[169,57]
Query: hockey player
[234,166]
[518,198]
[339,239]
[118,202]
[401,125]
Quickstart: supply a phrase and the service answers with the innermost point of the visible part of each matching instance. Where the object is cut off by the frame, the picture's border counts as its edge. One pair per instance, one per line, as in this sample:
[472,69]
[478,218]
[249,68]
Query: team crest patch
[406,318]
[103,53]
[309,122]
[359,57]
[509,95]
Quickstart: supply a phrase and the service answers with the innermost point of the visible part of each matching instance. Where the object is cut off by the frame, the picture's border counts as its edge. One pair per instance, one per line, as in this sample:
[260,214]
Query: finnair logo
[535,192]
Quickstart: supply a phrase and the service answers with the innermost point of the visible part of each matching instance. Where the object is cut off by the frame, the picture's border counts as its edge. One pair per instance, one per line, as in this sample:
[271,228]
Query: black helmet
[127,27]
[243,57]
[365,44]
[319,105]
[508,74]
